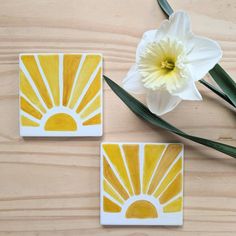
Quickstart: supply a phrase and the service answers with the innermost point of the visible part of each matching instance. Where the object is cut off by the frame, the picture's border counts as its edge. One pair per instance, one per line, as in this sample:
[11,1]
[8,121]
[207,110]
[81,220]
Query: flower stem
[143,112]
[216,91]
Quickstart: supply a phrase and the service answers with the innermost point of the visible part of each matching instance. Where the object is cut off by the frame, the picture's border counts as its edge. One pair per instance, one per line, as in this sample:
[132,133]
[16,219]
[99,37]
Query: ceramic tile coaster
[141,184]
[61,94]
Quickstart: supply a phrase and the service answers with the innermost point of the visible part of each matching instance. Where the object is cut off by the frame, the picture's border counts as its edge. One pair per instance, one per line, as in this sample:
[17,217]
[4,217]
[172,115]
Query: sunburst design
[141,184]
[61,94]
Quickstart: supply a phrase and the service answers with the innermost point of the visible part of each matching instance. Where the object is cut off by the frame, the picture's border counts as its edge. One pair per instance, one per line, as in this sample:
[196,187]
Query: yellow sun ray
[28,91]
[50,67]
[92,91]
[70,66]
[110,206]
[108,189]
[95,120]
[92,107]
[114,154]
[28,108]
[91,62]
[152,154]
[169,156]
[174,206]
[32,68]
[27,122]
[112,179]
[132,159]
[170,176]
[172,190]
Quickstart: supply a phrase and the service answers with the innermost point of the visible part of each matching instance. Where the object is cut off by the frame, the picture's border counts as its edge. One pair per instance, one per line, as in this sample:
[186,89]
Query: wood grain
[51,186]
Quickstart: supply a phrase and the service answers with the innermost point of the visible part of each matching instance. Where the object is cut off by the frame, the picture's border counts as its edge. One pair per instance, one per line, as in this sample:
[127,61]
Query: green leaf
[216,91]
[165,6]
[225,82]
[143,112]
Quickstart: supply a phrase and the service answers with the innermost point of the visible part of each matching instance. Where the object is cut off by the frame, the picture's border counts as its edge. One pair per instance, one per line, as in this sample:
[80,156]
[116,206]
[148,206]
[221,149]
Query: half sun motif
[142,184]
[61,94]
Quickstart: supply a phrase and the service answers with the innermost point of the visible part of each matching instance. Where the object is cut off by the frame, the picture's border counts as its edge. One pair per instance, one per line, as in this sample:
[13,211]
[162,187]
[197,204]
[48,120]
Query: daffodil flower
[168,63]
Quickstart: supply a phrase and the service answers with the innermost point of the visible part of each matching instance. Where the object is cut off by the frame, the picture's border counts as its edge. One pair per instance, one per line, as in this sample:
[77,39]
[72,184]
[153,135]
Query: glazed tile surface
[60,94]
[141,184]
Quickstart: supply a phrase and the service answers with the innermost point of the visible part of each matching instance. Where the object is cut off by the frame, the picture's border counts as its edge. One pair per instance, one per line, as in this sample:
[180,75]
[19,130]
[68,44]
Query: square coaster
[60,94]
[141,184]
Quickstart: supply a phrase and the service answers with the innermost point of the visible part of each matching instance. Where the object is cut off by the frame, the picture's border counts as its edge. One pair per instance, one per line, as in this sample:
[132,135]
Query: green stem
[216,91]
[143,112]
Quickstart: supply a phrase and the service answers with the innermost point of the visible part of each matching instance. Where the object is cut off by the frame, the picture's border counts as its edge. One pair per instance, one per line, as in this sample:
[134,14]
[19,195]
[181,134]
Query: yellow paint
[60,122]
[174,206]
[141,209]
[169,156]
[90,64]
[50,66]
[152,154]
[168,179]
[33,70]
[114,154]
[109,206]
[28,91]
[132,160]
[95,120]
[28,108]
[112,179]
[70,67]
[91,108]
[94,88]
[45,91]
[27,122]
[107,188]
[173,189]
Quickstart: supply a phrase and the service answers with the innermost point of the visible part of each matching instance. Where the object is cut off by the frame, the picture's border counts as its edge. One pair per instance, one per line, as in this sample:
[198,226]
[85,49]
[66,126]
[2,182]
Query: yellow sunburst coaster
[60,94]
[141,184]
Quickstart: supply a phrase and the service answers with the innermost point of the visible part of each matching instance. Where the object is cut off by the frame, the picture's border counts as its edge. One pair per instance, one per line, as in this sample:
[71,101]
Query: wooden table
[50,186]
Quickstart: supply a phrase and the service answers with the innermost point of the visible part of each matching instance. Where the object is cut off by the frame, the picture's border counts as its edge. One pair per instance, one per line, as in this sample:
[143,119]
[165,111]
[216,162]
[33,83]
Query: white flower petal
[190,92]
[148,37]
[160,102]
[178,26]
[203,55]
[133,81]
